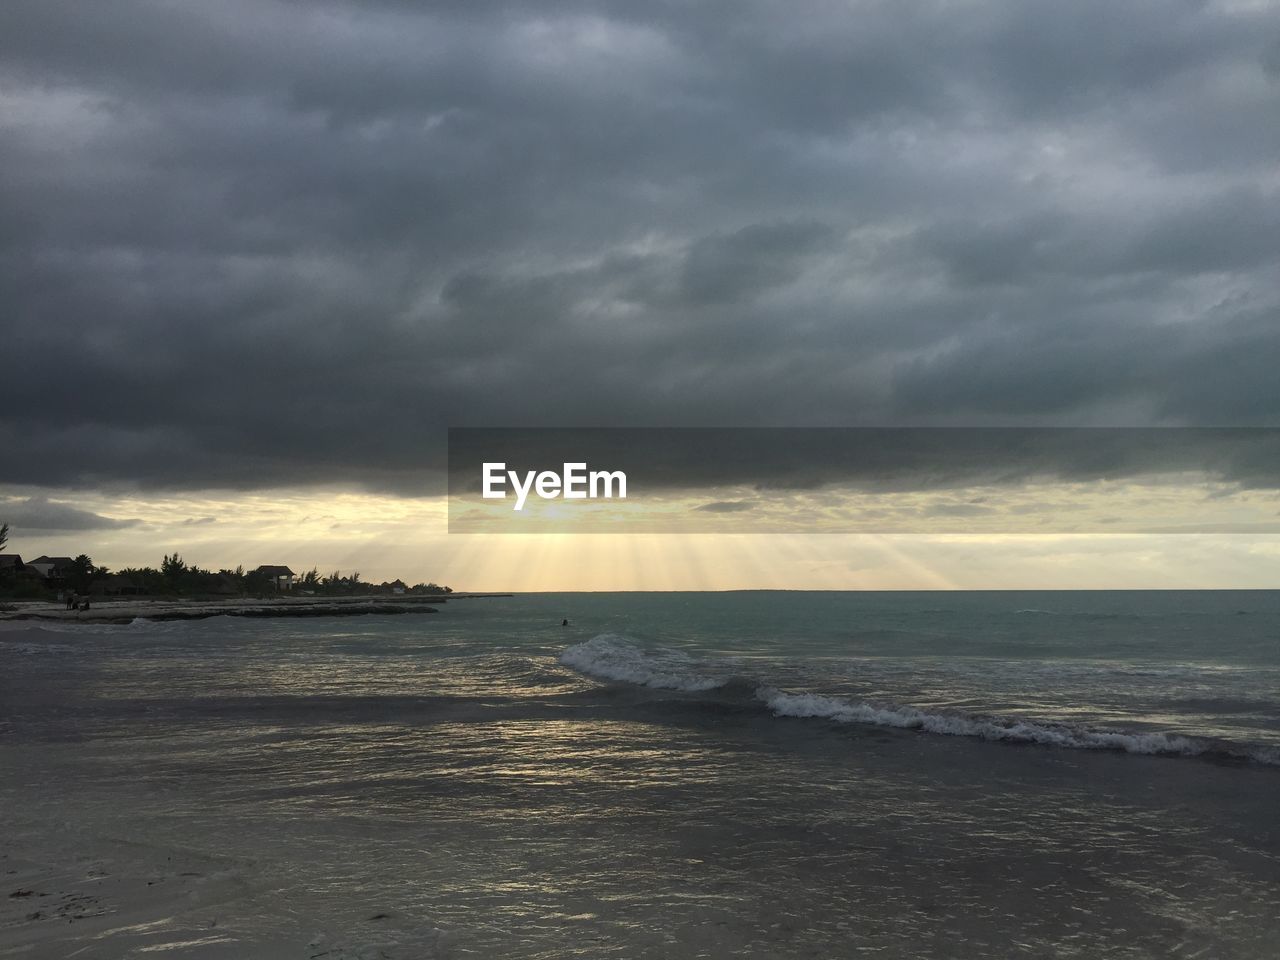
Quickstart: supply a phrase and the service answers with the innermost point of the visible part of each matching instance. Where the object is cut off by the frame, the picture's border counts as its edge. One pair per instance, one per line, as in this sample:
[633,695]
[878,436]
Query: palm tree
[81,573]
[4,534]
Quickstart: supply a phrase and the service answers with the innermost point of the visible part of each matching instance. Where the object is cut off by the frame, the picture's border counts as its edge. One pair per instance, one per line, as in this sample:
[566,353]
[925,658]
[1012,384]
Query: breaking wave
[615,658]
[28,641]
[963,725]
[611,657]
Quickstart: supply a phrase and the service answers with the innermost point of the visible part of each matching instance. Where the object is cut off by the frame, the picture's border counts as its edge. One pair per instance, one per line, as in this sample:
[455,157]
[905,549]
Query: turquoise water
[771,775]
[1199,664]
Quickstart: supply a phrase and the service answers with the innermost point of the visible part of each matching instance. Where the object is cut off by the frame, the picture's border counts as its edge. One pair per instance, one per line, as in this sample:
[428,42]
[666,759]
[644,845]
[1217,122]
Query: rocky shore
[129,609]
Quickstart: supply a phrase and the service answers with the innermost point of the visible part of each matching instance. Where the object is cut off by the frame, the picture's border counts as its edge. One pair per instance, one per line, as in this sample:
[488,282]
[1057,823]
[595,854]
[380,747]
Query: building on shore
[52,568]
[11,565]
[281,577]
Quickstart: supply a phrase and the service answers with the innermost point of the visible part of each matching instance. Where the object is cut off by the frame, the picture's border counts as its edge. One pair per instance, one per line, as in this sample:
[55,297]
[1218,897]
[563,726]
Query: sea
[668,775]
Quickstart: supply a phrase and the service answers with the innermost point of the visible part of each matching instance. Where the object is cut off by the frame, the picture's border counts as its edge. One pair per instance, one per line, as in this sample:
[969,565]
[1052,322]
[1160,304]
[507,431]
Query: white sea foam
[612,657]
[616,658]
[986,728]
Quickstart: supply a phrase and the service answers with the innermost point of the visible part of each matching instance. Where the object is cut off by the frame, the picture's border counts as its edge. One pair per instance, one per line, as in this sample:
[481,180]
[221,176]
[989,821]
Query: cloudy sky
[256,257]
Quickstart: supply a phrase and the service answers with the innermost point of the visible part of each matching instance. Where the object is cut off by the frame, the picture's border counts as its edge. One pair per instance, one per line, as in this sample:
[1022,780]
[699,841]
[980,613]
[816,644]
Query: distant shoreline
[123,611]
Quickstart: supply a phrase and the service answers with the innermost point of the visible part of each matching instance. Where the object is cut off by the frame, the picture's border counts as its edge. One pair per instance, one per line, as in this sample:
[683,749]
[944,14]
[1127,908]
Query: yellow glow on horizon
[386,537]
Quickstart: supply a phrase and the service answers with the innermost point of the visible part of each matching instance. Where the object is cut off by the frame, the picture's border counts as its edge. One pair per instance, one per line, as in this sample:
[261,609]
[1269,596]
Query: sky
[257,257]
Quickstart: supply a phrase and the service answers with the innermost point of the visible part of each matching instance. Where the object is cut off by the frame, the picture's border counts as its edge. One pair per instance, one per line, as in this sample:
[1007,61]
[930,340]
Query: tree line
[176,577]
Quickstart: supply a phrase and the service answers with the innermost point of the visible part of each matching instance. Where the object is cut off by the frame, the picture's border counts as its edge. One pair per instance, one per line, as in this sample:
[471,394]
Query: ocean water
[936,775]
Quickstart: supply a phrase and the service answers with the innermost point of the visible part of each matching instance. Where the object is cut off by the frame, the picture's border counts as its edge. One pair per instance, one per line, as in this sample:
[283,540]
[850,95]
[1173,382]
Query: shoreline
[124,611]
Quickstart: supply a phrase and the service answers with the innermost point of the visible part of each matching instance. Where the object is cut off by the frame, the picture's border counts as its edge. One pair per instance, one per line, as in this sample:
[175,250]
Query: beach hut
[280,577]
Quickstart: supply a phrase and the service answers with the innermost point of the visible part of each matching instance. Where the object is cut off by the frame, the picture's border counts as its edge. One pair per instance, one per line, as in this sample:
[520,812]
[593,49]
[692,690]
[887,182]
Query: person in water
[564,623]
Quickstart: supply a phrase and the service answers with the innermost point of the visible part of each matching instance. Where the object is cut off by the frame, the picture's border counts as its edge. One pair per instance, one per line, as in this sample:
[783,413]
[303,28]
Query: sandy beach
[77,893]
[63,896]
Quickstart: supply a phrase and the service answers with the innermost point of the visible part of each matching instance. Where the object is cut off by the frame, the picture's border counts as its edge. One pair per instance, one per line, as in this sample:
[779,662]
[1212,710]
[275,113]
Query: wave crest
[612,657]
[1015,730]
[618,659]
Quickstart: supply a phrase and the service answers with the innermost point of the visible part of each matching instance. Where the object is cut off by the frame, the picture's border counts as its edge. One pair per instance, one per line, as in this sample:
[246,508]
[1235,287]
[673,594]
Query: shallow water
[452,777]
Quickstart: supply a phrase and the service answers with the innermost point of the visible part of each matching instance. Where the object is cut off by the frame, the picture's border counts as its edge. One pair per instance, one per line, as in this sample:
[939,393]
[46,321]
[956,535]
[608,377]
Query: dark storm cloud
[41,514]
[874,459]
[726,506]
[249,244]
